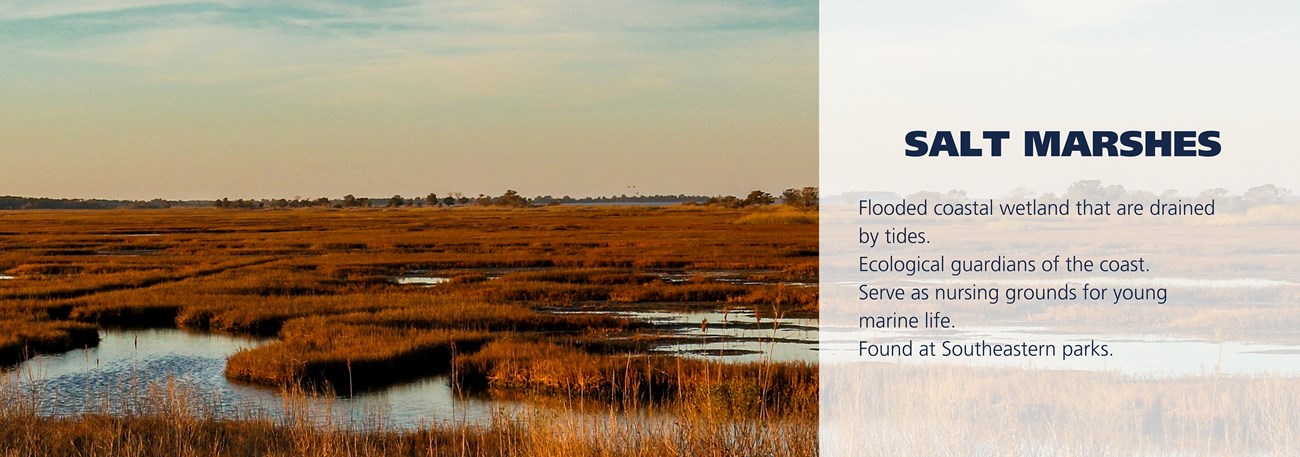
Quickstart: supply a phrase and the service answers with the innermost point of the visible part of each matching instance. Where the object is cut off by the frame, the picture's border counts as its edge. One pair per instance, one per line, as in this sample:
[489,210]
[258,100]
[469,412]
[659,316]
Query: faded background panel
[1210,371]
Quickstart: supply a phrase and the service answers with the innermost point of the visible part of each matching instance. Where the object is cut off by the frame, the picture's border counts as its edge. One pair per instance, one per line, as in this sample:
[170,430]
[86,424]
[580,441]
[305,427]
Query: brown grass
[746,390]
[171,419]
[21,338]
[253,271]
[780,216]
[318,353]
[321,282]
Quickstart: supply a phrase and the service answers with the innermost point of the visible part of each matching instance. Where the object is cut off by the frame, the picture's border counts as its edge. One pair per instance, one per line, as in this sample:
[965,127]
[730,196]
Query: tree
[758,197]
[727,201]
[804,199]
[510,198]
[1267,194]
[1021,193]
[1217,193]
[396,201]
[349,200]
[431,199]
[449,201]
[918,196]
[1088,189]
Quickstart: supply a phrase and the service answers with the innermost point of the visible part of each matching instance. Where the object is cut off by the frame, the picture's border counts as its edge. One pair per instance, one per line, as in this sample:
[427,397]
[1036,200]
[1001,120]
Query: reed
[784,216]
[317,353]
[513,319]
[543,368]
[170,418]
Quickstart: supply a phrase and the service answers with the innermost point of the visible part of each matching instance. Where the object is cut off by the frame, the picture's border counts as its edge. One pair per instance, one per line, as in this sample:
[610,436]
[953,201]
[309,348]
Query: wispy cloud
[37,9]
[336,51]
[621,89]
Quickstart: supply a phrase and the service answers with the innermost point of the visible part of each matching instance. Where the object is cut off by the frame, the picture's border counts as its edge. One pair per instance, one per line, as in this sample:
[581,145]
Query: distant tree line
[510,198]
[272,203]
[680,198]
[10,202]
[802,198]
[805,198]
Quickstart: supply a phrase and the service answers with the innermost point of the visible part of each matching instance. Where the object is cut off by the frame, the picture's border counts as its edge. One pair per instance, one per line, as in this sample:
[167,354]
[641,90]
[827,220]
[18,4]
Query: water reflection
[735,336]
[427,281]
[118,373]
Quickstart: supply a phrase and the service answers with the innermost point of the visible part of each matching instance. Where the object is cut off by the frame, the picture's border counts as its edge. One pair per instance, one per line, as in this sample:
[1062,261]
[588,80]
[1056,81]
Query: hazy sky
[178,99]
[890,67]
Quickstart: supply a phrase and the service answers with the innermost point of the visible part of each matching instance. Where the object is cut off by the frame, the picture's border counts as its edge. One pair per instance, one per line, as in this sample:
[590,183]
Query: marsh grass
[257,272]
[779,216]
[322,284]
[21,338]
[317,352]
[172,418]
[542,368]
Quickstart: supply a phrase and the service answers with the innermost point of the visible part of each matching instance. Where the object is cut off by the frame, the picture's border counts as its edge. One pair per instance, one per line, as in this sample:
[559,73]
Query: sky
[890,67]
[171,99]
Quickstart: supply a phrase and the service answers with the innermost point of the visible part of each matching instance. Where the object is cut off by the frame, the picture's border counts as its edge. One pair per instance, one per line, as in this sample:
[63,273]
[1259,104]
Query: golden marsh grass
[323,284]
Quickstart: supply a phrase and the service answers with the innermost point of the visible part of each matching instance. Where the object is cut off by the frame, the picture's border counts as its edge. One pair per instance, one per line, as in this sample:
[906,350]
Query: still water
[121,371]
[738,336]
[126,363]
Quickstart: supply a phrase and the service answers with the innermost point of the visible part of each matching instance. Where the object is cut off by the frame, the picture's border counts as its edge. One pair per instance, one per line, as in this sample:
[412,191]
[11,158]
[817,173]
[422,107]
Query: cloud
[549,52]
[40,9]
[338,97]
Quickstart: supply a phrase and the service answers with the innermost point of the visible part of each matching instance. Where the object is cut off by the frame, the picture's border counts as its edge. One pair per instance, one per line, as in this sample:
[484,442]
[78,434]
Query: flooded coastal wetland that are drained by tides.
[469,331]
